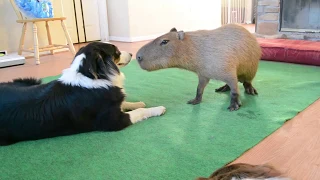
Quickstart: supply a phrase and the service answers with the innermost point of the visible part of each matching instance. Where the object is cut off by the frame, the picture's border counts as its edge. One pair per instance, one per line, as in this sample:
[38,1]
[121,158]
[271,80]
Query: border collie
[89,96]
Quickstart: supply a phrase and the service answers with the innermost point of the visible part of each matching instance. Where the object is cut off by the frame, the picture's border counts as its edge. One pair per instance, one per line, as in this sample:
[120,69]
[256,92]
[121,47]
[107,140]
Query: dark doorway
[300,15]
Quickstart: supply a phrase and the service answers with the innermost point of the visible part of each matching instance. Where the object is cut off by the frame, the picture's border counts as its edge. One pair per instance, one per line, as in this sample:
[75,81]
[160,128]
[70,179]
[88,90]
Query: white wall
[151,18]
[10,30]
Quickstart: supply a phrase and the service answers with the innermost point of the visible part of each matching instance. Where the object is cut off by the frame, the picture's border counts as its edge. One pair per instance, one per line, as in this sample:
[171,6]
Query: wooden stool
[36,49]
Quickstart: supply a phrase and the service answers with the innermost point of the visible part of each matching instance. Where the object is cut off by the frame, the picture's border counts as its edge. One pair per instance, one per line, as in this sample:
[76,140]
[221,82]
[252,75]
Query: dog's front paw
[132,105]
[139,105]
[158,111]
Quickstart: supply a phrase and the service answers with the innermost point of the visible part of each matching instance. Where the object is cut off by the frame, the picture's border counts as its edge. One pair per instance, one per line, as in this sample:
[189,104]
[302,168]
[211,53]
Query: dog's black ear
[105,67]
[101,70]
[97,68]
[116,53]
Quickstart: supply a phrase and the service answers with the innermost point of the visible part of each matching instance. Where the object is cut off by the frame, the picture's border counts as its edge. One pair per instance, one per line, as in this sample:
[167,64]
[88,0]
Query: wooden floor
[294,148]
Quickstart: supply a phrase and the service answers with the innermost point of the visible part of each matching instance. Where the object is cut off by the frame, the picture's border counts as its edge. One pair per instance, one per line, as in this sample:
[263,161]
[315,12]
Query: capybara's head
[162,52]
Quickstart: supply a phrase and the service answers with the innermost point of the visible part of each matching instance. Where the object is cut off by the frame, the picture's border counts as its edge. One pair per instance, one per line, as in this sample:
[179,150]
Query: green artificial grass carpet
[185,143]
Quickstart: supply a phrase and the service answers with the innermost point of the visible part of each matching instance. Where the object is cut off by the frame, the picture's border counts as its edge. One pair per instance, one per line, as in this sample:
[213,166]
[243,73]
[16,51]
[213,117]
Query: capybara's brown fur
[243,171]
[229,53]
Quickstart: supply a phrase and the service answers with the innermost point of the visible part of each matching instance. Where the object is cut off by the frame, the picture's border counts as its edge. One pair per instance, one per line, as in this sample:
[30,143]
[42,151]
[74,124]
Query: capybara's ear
[181,35]
[173,30]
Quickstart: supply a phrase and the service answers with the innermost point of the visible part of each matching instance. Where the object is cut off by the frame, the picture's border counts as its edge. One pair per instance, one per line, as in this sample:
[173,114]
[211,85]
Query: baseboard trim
[134,39]
[118,38]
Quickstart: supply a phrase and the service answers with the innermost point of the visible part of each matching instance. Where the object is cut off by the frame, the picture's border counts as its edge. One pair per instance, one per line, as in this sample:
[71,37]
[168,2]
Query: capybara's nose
[130,54]
[139,58]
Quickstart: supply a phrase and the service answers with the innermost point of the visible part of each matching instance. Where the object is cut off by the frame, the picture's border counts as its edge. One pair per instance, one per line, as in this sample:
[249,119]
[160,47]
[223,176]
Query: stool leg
[66,33]
[24,29]
[49,36]
[36,43]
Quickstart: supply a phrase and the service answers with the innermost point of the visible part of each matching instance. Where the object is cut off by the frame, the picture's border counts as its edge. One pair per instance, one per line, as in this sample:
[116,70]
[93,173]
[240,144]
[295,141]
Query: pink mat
[292,51]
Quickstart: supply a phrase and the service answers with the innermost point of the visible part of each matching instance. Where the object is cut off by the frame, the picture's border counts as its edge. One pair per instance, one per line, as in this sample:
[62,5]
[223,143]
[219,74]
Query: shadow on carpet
[187,142]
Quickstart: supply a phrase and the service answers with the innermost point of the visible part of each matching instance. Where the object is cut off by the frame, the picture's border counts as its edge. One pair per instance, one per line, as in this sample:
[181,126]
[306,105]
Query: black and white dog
[89,96]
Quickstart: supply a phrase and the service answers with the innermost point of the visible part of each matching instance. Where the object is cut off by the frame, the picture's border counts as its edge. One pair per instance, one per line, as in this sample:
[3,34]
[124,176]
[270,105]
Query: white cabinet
[91,19]
[83,20]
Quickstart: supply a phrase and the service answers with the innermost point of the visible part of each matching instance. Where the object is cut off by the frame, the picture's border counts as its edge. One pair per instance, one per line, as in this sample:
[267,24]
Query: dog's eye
[164,42]
[120,64]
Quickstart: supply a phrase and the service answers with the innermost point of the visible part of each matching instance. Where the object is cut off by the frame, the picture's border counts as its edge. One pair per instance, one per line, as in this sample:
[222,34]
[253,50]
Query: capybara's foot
[224,88]
[235,102]
[194,101]
[234,106]
[249,89]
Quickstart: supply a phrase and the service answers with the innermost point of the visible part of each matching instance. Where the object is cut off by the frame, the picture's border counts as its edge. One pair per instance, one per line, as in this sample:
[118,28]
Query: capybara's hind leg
[235,102]
[249,89]
[224,88]
[203,81]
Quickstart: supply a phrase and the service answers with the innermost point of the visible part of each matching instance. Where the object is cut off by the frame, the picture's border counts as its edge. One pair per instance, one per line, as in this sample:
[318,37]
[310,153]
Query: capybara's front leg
[203,81]
[235,102]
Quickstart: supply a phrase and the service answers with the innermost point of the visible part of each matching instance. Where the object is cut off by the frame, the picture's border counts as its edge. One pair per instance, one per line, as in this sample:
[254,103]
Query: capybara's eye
[164,42]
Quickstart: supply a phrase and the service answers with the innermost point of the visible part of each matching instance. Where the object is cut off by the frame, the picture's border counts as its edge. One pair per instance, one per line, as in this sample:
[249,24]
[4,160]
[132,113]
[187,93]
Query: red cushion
[292,51]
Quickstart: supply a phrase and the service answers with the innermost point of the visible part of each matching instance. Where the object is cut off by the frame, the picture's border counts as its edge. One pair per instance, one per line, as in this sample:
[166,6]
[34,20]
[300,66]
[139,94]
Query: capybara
[229,53]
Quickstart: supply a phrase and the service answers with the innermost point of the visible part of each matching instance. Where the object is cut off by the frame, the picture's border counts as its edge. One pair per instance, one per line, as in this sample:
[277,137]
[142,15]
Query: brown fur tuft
[245,171]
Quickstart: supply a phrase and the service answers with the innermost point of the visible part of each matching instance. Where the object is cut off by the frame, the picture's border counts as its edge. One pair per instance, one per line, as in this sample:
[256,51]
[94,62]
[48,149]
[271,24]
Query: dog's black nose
[139,58]
[130,54]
